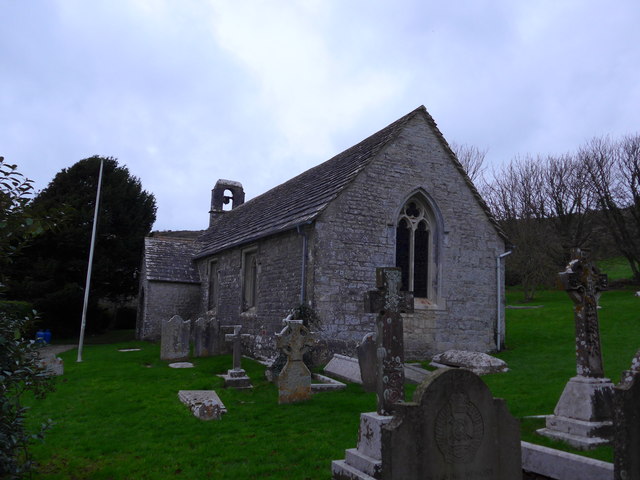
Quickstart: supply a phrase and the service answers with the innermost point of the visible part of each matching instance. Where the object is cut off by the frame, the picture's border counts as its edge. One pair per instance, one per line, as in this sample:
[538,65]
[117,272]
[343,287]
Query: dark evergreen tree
[51,271]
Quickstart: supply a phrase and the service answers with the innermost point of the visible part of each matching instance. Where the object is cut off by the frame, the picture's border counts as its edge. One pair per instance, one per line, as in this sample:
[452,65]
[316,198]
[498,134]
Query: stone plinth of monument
[583,416]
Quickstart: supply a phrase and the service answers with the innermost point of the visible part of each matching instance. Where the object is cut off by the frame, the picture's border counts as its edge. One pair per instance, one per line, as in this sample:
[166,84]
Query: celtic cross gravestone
[583,415]
[294,381]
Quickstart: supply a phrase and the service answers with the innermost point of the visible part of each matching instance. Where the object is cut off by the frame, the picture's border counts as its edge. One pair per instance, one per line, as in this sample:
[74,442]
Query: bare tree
[517,199]
[569,203]
[472,159]
[613,169]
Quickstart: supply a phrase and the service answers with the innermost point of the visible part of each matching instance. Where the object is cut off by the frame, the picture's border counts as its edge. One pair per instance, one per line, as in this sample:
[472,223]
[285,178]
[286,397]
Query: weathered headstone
[454,429]
[368,362]
[205,337]
[626,440]
[236,377]
[204,404]
[583,415]
[388,302]
[294,381]
[174,343]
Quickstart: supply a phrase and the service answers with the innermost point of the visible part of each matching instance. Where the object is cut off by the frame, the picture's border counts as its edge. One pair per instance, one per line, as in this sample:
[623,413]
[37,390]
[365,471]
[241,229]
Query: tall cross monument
[583,415]
[388,302]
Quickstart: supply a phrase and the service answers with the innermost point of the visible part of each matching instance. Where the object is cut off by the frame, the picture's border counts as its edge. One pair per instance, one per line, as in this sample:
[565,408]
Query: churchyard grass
[117,414]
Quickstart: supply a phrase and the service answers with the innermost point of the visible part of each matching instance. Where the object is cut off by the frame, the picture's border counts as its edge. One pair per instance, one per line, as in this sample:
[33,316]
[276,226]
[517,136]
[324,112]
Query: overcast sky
[184,92]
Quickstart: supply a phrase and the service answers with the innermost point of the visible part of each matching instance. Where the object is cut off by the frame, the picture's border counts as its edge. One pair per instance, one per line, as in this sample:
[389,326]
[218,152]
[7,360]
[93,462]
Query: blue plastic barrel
[47,336]
[40,337]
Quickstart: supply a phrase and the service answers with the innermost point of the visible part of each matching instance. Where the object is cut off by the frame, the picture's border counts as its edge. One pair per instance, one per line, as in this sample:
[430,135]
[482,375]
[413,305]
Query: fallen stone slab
[320,383]
[348,369]
[344,368]
[181,365]
[414,373]
[478,362]
[204,404]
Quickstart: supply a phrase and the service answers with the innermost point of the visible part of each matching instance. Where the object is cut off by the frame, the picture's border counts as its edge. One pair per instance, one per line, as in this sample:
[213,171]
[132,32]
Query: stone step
[363,462]
[581,428]
[341,470]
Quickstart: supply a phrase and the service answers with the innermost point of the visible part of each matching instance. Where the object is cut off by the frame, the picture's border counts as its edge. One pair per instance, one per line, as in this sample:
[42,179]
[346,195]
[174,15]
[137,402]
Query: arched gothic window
[414,248]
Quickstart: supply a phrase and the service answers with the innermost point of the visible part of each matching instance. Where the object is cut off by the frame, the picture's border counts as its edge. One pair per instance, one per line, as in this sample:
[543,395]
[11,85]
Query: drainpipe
[303,273]
[500,311]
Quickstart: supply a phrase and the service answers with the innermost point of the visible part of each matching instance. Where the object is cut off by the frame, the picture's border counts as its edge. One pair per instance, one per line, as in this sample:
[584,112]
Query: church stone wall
[161,301]
[278,288]
[356,234]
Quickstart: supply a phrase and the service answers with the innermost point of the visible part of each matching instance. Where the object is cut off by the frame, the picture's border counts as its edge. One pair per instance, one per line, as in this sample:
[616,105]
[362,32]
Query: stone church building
[398,198]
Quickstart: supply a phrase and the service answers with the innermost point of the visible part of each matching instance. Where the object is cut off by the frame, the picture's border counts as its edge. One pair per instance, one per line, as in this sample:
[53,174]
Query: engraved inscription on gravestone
[453,429]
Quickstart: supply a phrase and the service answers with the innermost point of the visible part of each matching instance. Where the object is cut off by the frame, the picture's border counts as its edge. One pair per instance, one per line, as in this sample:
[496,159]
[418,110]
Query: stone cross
[583,282]
[388,302]
[294,381]
[236,339]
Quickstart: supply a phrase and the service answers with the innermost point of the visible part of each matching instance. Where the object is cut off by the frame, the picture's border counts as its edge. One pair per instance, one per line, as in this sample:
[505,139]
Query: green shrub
[19,372]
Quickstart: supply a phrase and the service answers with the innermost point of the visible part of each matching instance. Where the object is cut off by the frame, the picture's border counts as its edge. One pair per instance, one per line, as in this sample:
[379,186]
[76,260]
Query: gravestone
[388,302]
[174,343]
[294,381]
[583,415]
[626,440]
[205,337]
[454,429]
[368,362]
[204,404]
[236,377]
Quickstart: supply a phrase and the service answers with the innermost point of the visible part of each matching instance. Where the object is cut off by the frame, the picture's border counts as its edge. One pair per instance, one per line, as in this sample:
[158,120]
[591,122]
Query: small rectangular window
[250,280]
[212,294]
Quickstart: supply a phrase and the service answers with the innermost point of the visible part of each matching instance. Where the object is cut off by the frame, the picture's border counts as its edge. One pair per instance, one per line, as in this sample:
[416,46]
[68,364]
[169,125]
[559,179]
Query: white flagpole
[89,267]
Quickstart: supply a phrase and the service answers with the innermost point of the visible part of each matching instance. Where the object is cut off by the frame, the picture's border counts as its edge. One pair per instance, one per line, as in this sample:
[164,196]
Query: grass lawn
[118,416]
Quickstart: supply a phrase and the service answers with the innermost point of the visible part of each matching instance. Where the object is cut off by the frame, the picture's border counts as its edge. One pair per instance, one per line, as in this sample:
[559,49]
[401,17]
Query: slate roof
[302,199]
[170,259]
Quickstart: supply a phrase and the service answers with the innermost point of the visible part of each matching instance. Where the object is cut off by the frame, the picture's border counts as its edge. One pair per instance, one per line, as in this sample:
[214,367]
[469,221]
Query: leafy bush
[19,372]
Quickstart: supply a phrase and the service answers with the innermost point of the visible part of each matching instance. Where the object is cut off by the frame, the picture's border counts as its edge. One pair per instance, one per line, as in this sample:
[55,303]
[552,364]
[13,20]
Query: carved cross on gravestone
[236,339]
[583,282]
[388,302]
